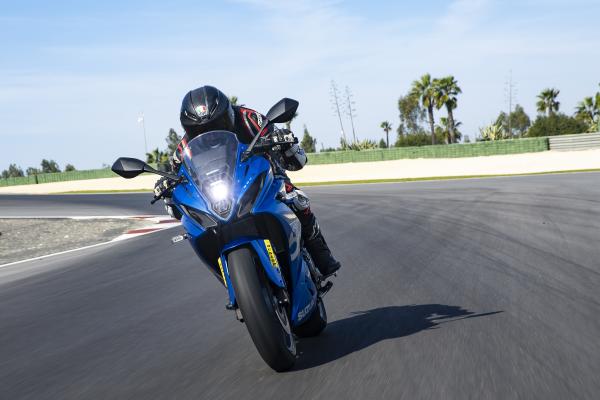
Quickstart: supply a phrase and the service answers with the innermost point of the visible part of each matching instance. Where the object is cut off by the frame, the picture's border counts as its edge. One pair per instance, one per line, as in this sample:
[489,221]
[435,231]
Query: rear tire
[266,320]
[316,322]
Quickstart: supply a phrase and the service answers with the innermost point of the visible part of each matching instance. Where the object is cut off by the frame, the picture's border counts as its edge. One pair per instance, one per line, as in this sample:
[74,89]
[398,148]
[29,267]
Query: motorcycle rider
[208,109]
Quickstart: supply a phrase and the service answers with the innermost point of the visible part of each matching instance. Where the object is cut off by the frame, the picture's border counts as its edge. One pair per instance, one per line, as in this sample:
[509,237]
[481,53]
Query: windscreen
[211,159]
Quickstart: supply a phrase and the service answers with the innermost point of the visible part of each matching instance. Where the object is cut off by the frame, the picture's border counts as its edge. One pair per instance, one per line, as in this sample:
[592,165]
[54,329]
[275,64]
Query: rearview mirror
[283,111]
[130,167]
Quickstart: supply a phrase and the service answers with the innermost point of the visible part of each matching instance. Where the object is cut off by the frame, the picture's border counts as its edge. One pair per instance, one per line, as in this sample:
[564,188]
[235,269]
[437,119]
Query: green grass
[364,181]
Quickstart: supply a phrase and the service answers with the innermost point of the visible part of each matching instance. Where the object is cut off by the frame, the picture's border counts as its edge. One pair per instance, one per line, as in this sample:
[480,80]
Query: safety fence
[511,146]
[59,177]
[581,141]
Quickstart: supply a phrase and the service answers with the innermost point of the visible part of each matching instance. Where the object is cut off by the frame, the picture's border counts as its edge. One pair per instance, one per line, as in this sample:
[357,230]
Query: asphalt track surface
[472,289]
[76,205]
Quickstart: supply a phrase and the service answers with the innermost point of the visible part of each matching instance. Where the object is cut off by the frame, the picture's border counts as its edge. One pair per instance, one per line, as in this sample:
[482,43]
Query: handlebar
[265,144]
[169,187]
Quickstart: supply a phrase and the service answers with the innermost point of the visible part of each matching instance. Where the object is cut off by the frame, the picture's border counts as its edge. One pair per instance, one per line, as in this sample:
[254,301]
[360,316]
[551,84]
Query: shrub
[556,124]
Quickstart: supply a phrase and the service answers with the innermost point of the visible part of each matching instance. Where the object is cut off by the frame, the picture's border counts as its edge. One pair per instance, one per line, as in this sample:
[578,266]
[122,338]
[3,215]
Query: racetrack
[75,205]
[483,288]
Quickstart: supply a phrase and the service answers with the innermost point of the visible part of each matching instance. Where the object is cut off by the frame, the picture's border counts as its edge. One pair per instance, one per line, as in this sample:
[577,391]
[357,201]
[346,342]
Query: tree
[418,139]
[387,127]
[233,100]
[588,111]
[443,130]
[424,90]
[383,144]
[13,171]
[70,167]
[32,171]
[446,91]
[309,144]
[411,115]
[157,157]
[547,103]
[49,166]
[556,124]
[172,140]
[519,121]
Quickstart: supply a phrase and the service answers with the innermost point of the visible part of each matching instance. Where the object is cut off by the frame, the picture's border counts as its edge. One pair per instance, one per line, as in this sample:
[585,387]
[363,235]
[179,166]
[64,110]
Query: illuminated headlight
[219,191]
[219,194]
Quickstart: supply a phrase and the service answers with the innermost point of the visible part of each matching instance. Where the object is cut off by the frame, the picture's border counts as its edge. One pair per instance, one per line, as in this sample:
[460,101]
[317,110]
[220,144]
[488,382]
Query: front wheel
[315,323]
[266,319]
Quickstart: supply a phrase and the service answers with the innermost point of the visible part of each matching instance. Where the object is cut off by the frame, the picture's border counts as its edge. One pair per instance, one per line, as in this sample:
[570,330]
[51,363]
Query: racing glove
[171,209]
[161,185]
[293,157]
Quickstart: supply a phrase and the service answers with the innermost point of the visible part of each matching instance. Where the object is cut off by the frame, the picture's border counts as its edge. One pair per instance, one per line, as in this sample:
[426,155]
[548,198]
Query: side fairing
[302,287]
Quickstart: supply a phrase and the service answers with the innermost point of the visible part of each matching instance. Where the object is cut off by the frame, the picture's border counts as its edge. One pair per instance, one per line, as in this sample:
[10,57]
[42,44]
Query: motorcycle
[236,216]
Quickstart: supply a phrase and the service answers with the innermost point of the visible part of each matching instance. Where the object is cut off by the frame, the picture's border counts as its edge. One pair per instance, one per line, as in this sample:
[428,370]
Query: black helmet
[206,109]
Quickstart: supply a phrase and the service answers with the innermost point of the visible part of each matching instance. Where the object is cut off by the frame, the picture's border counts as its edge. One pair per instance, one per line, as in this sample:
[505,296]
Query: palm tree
[387,127]
[424,89]
[446,91]
[588,111]
[445,129]
[547,101]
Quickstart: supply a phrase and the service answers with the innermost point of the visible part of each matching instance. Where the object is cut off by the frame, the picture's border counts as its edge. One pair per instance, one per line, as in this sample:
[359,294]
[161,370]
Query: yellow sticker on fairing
[272,256]
[222,273]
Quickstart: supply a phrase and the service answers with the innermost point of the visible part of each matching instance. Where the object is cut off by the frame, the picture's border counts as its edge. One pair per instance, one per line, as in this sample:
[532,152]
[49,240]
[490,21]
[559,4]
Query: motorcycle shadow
[365,328]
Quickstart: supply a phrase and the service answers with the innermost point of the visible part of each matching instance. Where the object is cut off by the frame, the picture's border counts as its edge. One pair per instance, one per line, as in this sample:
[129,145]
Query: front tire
[267,320]
[316,322]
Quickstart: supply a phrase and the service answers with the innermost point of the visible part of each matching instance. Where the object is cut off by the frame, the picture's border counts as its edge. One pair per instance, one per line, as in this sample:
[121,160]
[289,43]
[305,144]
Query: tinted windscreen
[211,159]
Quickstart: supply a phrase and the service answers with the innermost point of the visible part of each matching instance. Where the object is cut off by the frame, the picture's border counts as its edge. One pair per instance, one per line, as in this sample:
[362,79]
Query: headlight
[219,195]
[219,191]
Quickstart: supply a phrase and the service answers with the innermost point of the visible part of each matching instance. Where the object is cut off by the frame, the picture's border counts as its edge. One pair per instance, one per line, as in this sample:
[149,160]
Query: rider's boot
[313,238]
[321,255]
[316,245]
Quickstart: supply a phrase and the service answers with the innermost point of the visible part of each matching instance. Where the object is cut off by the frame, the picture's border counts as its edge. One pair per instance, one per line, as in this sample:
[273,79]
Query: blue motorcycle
[235,214]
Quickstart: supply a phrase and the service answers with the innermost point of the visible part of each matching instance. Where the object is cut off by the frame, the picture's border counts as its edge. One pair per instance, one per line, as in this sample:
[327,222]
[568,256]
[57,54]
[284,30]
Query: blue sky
[75,75]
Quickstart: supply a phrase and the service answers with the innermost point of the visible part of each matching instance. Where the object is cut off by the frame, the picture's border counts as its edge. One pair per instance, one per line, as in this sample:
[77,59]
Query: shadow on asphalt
[365,328]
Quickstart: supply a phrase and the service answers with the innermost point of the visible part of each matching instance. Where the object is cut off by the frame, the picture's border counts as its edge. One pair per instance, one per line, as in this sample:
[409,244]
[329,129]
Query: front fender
[264,250]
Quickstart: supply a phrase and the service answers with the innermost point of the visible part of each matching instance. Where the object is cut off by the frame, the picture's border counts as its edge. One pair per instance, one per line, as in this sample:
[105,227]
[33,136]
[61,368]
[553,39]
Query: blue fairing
[190,195]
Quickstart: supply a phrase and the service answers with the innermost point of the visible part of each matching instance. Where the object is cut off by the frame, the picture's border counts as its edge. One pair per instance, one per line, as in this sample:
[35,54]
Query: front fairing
[195,193]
